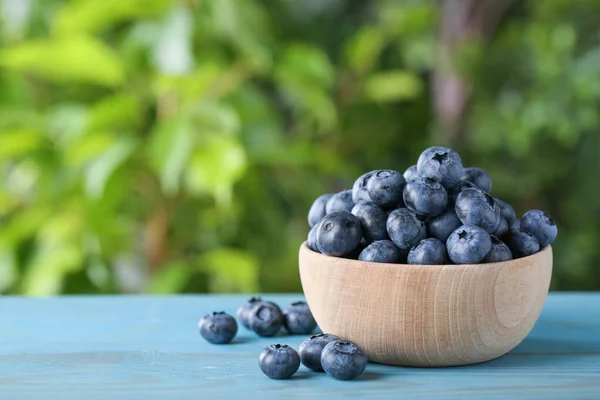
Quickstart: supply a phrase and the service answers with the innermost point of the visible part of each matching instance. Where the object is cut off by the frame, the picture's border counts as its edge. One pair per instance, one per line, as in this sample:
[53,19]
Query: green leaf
[101,169]
[173,49]
[216,117]
[66,123]
[170,148]
[8,268]
[23,225]
[231,271]
[87,148]
[121,111]
[215,166]
[306,65]
[170,279]
[16,143]
[89,16]
[70,59]
[49,266]
[364,48]
[392,86]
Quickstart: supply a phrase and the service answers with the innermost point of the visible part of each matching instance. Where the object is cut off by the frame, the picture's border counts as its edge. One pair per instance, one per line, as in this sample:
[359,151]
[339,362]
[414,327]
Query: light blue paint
[148,348]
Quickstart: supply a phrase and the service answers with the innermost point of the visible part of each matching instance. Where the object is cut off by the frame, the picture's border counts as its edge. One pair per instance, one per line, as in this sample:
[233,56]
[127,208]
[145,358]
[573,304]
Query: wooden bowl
[427,315]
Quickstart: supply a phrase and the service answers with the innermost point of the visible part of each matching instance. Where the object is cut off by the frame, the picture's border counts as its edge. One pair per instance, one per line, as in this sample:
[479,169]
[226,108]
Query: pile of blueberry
[342,360]
[437,212]
[263,317]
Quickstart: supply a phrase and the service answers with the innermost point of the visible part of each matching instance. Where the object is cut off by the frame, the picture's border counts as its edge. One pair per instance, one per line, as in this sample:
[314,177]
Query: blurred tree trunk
[462,21]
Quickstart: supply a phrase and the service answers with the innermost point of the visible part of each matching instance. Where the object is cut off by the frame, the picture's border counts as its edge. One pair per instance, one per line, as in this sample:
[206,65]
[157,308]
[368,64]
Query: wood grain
[424,315]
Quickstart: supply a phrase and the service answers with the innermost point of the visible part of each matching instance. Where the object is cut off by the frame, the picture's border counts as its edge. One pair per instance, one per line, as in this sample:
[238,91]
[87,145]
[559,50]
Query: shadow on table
[370,376]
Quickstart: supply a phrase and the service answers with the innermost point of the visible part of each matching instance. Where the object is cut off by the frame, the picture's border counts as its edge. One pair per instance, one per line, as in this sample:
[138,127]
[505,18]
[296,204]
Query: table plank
[132,347]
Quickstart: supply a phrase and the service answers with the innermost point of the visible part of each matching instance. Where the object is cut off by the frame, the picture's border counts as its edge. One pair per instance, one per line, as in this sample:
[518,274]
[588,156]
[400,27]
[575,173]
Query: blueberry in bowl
[389,309]
[442,275]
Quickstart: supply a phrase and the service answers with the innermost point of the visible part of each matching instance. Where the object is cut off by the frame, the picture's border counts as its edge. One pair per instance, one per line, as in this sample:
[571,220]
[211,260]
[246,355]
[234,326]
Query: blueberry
[468,244]
[341,201]
[298,319]
[456,189]
[540,225]
[359,189]
[279,361]
[442,164]
[411,173]
[385,187]
[405,229]
[521,243]
[501,229]
[266,319]
[499,252]
[476,207]
[506,211]
[312,239]
[339,233]
[479,177]
[516,224]
[425,197]
[218,327]
[310,350]
[243,311]
[428,252]
[381,251]
[317,210]
[353,255]
[443,225]
[372,220]
[343,360]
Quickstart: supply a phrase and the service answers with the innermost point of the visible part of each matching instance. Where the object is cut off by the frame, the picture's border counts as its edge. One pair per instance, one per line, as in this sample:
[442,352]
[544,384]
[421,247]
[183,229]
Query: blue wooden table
[148,348]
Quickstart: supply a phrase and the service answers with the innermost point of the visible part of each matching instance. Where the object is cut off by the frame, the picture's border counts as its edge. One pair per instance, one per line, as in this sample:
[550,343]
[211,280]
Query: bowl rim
[352,262]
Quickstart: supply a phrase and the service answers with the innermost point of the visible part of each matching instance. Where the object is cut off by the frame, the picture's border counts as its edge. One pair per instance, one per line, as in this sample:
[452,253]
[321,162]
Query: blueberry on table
[501,229]
[443,225]
[442,164]
[359,189]
[479,177]
[428,252]
[297,318]
[343,360]
[454,191]
[521,243]
[425,197]
[266,319]
[243,311]
[341,201]
[405,229]
[385,187]
[381,251]
[506,211]
[540,225]
[411,173]
[317,210]
[311,241]
[372,220]
[499,252]
[218,327]
[476,207]
[279,361]
[468,244]
[338,234]
[310,350]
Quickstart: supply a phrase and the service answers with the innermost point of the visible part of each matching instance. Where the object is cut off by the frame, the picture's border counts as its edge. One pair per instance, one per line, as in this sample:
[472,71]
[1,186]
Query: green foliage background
[175,146]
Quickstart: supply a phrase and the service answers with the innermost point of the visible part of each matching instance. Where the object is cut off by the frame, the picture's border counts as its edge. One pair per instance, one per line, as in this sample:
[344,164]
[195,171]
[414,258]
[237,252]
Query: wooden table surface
[148,348]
